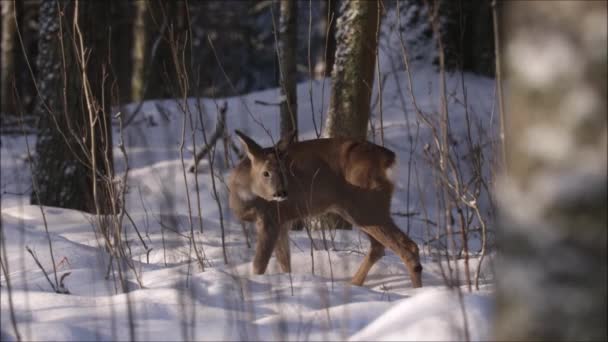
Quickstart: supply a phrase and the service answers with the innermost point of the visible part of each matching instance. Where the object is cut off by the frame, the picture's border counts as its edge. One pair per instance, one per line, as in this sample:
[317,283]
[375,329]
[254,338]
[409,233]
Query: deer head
[268,179]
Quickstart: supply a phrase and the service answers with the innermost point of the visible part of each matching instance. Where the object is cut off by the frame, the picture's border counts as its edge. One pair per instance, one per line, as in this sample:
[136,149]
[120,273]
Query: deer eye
[266,174]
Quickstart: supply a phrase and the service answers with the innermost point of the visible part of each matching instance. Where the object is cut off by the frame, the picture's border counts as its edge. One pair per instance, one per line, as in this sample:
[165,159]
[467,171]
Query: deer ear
[252,149]
[287,140]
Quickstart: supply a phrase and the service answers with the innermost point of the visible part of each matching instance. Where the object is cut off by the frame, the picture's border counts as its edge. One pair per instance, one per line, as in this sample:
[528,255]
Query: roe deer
[292,180]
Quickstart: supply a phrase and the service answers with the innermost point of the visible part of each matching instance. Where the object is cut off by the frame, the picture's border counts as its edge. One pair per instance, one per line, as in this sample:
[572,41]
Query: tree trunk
[122,14]
[162,18]
[552,276]
[8,57]
[27,22]
[72,139]
[353,74]
[138,52]
[466,33]
[287,67]
[352,78]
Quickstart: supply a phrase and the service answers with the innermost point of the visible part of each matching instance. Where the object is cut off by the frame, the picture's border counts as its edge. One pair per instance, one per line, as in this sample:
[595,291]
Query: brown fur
[342,176]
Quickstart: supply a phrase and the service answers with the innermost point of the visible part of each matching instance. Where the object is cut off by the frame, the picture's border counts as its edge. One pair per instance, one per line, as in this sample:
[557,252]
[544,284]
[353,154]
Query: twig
[62,288]
[264,103]
[27,248]
[405,214]
[219,132]
[36,193]
[180,69]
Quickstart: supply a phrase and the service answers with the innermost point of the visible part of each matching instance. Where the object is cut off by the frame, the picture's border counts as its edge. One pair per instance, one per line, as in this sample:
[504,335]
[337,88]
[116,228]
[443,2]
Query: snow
[179,300]
[433,315]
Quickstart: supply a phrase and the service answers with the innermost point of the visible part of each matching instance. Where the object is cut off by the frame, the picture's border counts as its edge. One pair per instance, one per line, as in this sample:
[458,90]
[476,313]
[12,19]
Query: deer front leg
[282,248]
[266,239]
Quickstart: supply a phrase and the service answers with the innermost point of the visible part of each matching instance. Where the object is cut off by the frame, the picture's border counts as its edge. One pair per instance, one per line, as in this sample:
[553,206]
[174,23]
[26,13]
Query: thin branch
[46,275]
[217,133]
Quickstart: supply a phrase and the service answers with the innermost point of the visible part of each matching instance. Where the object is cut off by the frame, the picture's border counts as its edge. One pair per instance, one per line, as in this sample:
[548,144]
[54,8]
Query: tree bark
[138,52]
[73,140]
[8,57]
[353,73]
[162,18]
[121,29]
[287,67]
[551,280]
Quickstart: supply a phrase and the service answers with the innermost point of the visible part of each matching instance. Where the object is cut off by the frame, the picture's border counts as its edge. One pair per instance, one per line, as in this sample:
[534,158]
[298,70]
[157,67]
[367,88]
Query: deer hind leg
[281,250]
[376,251]
[266,241]
[394,239]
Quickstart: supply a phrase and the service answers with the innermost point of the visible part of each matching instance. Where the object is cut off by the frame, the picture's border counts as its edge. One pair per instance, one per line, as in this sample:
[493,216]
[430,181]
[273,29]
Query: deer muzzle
[280,196]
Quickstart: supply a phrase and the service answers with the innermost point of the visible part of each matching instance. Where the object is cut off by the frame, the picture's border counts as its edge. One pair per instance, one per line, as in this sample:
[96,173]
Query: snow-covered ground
[179,300]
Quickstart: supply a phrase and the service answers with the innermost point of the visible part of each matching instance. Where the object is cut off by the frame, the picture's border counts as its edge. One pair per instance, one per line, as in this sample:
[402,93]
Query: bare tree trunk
[353,74]
[552,275]
[27,24]
[287,66]
[72,138]
[138,52]
[162,16]
[121,45]
[8,56]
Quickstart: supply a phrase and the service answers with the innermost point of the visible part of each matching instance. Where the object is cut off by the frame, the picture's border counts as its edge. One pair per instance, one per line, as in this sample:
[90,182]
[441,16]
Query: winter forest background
[117,121]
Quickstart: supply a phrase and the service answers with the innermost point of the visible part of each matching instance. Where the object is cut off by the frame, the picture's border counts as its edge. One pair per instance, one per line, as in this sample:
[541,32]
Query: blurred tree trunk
[287,67]
[551,279]
[325,59]
[63,175]
[352,76]
[138,52]
[8,57]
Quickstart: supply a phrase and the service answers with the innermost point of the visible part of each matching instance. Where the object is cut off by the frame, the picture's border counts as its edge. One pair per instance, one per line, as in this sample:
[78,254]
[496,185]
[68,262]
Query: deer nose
[281,194]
